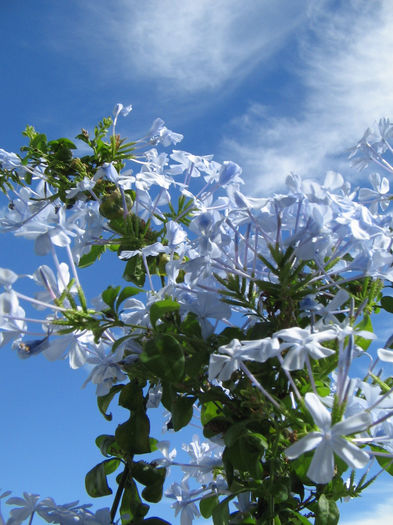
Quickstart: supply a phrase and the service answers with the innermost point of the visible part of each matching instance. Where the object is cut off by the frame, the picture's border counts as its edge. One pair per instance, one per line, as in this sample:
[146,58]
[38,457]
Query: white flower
[107,370]
[184,502]
[7,277]
[120,109]
[168,456]
[385,354]
[53,287]
[231,356]
[329,440]
[155,395]
[147,251]
[175,233]
[379,196]
[205,456]
[3,495]
[27,506]
[11,317]
[301,342]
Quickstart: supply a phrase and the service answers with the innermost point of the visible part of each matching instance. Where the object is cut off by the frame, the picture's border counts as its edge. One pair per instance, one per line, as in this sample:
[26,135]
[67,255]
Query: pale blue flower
[107,369]
[175,234]
[9,161]
[12,315]
[301,343]
[329,440]
[27,506]
[205,457]
[379,196]
[7,277]
[184,502]
[230,356]
[160,134]
[107,171]
[119,109]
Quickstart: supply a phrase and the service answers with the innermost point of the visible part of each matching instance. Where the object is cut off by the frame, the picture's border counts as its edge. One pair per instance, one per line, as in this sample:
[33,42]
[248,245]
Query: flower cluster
[250,312]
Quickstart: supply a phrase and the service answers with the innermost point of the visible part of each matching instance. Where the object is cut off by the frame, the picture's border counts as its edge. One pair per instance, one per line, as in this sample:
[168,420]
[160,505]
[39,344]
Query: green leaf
[164,356]
[63,142]
[301,466]
[103,402]
[128,291]
[160,308]
[209,411]
[322,389]
[280,491]
[365,324]
[152,477]
[169,395]
[153,492]
[39,142]
[221,513]
[135,271]
[131,396]
[94,254]
[258,440]
[109,295]
[245,448]
[191,327]
[182,410]
[327,512]
[95,480]
[131,503]
[107,445]
[207,505]
[216,425]
[235,432]
[260,330]
[229,470]
[153,444]
[301,520]
[147,473]
[387,303]
[133,435]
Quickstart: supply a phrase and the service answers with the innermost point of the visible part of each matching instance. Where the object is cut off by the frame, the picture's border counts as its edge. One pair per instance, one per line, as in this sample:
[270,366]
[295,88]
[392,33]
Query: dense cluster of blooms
[252,311]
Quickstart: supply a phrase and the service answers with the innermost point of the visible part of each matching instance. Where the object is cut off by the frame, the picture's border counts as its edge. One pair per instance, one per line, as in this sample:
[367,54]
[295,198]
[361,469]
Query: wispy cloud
[380,513]
[344,67]
[192,46]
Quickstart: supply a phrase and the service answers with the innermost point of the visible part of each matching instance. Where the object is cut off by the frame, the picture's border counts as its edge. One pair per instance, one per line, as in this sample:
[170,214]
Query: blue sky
[276,86]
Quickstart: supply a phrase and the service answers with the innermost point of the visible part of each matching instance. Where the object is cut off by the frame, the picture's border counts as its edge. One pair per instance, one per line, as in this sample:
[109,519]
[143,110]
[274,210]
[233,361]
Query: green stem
[119,492]
[82,299]
[272,472]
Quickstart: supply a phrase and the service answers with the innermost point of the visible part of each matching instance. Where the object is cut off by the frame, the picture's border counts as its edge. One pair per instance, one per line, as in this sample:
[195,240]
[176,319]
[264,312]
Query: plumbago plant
[248,313]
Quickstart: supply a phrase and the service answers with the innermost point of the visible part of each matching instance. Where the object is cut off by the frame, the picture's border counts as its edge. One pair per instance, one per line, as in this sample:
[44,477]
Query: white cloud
[381,513]
[189,46]
[347,77]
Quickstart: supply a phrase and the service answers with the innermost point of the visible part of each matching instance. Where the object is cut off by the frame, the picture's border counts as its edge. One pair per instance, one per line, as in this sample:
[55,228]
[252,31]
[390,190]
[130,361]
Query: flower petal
[319,412]
[305,444]
[385,354]
[321,468]
[355,423]
[353,456]
[294,360]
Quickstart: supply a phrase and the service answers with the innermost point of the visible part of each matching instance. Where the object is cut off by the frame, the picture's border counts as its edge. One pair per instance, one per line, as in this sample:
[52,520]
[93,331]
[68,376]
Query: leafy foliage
[247,316]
